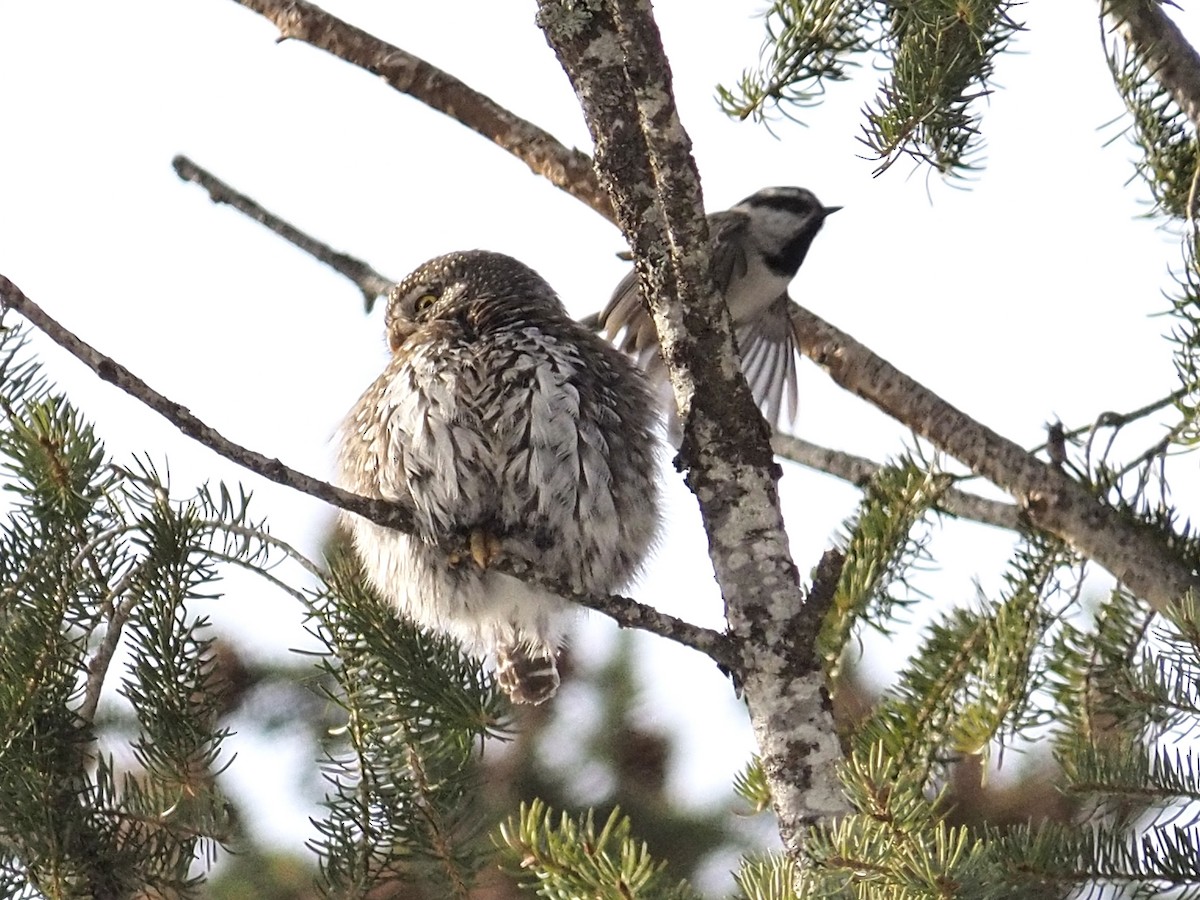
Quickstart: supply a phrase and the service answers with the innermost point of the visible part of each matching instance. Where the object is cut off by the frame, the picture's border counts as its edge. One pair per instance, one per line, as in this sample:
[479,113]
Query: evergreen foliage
[569,858]
[938,59]
[90,552]
[884,542]
[401,768]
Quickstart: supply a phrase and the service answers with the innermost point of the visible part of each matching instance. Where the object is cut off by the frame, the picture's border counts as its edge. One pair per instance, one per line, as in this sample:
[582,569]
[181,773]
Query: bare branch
[1051,500]
[626,612]
[1168,55]
[629,613]
[97,667]
[371,283]
[858,470]
[568,169]
[614,58]
[382,512]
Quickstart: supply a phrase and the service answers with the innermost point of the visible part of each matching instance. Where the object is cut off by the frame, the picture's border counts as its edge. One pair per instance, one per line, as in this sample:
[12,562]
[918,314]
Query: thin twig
[97,667]
[629,613]
[859,470]
[1120,420]
[371,283]
[389,515]
[563,167]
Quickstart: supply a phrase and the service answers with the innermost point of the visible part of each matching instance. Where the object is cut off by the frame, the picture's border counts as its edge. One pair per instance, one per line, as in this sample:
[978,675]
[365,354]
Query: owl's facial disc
[398,332]
[409,307]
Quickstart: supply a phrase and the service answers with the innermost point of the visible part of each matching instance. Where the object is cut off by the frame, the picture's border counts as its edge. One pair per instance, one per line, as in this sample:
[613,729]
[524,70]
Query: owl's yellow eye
[424,302]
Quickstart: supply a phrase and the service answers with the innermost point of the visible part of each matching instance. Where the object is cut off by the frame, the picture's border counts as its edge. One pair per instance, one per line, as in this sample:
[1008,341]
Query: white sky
[1027,297]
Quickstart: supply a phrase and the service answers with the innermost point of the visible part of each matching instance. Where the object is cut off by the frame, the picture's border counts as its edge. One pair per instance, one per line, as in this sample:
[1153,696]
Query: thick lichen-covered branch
[614,59]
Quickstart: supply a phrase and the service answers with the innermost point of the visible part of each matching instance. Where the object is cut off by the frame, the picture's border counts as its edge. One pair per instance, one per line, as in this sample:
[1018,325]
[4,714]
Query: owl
[507,428]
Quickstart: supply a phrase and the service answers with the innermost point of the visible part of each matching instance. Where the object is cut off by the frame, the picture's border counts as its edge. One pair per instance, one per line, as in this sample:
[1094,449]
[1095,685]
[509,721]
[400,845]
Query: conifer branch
[371,283]
[565,168]
[858,470]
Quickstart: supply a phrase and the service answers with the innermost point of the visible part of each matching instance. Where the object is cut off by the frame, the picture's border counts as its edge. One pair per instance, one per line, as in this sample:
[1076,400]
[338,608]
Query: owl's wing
[371,453]
[768,347]
[399,444]
[625,319]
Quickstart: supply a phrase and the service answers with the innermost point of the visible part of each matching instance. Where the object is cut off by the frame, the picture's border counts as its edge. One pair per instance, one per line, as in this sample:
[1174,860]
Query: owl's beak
[399,333]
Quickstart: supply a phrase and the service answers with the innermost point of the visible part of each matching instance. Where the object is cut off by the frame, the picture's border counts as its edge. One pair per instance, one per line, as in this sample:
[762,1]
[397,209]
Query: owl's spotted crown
[479,287]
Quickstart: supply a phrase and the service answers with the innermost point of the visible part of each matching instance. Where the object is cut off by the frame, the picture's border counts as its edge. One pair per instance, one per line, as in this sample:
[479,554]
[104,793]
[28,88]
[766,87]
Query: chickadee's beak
[829,210]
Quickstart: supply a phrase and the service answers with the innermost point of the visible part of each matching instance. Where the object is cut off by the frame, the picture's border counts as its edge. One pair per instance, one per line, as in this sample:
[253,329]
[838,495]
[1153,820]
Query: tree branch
[858,470]
[565,168]
[838,463]
[371,283]
[1167,54]
[855,469]
[1147,29]
[629,613]
[626,612]
[389,515]
[1130,550]
[613,56]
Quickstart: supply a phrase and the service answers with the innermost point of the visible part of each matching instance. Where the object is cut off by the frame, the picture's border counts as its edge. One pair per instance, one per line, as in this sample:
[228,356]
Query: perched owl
[507,427]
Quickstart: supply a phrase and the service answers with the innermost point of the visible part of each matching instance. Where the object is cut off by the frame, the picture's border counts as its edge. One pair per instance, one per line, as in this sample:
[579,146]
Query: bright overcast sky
[1026,297]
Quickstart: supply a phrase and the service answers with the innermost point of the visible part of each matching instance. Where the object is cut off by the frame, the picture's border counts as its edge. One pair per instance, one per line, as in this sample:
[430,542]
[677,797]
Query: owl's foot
[482,546]
[485,547]
[526,675]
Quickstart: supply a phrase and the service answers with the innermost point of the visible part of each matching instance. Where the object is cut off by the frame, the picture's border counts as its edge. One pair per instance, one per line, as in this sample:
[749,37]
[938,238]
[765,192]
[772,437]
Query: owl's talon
[485,547]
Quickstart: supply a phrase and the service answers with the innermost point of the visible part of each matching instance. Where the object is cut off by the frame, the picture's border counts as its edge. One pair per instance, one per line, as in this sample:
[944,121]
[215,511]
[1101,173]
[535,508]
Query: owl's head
[476,290]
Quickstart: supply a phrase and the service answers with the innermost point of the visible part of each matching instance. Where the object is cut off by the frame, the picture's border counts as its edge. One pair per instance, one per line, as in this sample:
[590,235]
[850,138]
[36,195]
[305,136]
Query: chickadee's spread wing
[768,347]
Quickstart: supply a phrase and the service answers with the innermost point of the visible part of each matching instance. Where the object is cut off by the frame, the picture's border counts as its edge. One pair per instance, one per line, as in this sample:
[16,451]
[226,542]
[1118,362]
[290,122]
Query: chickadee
[757,248]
